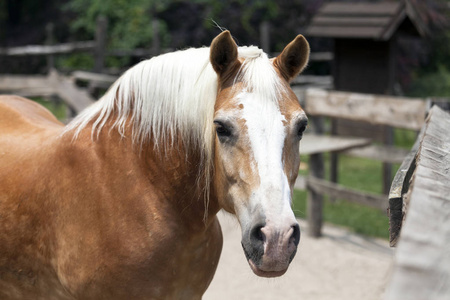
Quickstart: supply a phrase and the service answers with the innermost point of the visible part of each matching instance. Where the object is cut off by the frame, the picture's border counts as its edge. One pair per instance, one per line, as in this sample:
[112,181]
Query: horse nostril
[257,235]
[295,238]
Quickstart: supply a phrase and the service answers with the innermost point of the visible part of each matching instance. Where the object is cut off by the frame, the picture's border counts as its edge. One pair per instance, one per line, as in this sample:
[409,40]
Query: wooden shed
[365,38]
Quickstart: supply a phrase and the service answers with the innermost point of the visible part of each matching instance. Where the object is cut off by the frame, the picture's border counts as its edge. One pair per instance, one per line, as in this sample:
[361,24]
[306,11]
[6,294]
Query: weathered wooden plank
[324,187]
[314,144]
[399,187]
[314,56]
[53,84]
[44,91]
[73,96]
[313,80]
[314,199]
[15,83]
[394,111]
[351,21]
[387,154]
[48,49]
[100,43]
[321,56]
[50,40]
[358,9]
[300,183]
[353,128]
[102,80]
[422,264]
[26,86]
[345,31]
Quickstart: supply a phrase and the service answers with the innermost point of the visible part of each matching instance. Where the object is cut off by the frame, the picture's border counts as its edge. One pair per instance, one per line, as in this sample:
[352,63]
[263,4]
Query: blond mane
[173,95]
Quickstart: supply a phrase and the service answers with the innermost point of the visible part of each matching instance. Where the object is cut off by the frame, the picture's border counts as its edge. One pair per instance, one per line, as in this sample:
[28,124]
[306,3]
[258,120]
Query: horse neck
[181,173]
[172,173]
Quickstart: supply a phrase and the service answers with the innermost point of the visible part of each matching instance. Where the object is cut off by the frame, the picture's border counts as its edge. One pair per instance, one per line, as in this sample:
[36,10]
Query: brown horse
[122,202]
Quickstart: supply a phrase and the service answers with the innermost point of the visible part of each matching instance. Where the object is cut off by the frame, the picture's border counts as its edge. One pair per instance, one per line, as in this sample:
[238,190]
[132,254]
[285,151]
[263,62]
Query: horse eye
[222,129]
[301,128]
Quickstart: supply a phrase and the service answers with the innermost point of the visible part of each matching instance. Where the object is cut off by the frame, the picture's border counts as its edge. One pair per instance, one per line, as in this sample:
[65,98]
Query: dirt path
[338,266]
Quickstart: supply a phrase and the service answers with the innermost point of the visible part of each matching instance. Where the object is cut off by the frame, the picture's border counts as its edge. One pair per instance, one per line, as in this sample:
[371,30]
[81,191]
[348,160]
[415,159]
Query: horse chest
[154,265]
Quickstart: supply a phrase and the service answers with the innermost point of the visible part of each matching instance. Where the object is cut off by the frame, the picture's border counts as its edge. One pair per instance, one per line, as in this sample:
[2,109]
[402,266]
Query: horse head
[259,124]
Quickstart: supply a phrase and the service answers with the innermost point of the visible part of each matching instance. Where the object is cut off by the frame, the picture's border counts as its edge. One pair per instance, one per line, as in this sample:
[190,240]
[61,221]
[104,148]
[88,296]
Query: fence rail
[65,48]
[397,112]
[325,187]
[52,84]
[98,46]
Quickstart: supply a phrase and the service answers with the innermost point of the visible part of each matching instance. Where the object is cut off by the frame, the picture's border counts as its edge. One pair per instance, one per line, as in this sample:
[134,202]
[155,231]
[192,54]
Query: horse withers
[122,202]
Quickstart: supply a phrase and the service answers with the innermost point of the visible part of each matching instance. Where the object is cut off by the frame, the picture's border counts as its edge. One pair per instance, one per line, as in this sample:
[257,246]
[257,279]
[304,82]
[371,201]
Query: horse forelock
[259,75]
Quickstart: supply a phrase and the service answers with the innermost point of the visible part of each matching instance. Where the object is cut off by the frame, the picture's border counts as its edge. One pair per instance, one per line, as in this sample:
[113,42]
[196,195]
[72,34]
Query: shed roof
[376,21]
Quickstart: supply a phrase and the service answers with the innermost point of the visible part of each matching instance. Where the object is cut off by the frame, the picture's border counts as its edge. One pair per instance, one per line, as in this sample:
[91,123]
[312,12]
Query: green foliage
[191,23]
[440,51]
[81,61]
[433,79]
[85,61]
[432,84]
[129,21]
[264,10]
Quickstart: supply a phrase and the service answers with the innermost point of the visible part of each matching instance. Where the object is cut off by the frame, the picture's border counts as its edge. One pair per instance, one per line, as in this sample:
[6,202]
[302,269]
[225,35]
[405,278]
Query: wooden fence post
[334,159]
[100,44]
[156,44]
[50,40]
[264,36]
[315,200]
[387,167]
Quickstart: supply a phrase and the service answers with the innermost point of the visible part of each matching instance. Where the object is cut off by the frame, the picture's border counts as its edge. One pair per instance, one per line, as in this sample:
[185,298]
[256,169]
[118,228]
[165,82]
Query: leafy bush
[433,84]
[129,22]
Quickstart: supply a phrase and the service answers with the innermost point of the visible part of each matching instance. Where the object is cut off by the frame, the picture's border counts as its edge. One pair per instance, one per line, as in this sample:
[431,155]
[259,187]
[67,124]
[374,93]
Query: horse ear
[294,58]
[223,53]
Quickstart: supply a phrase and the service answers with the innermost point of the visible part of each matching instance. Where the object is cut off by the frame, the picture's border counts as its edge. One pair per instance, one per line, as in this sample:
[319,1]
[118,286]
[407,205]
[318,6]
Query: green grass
[357,173]
[404,138]
[358,218]
[361,174]
[59,109]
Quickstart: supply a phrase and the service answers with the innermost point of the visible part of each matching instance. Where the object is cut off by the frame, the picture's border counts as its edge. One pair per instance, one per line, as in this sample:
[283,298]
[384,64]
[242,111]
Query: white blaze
[267,134]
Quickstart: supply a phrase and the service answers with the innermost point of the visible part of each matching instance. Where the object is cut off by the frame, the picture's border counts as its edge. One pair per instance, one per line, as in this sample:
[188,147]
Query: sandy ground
[338,266]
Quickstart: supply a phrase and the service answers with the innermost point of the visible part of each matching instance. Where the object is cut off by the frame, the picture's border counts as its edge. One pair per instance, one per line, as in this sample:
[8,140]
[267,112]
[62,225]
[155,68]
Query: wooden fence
[99,49]
[420,200]
[53,84]
[34,85]
[48,49]
[376,109]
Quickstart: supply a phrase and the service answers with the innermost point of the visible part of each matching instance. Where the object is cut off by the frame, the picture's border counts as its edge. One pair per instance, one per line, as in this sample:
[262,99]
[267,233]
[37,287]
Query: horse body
[89,213]
[66,244]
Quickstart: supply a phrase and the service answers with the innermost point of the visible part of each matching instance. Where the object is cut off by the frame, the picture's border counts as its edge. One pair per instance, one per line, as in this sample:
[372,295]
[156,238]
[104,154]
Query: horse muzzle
[270,249]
